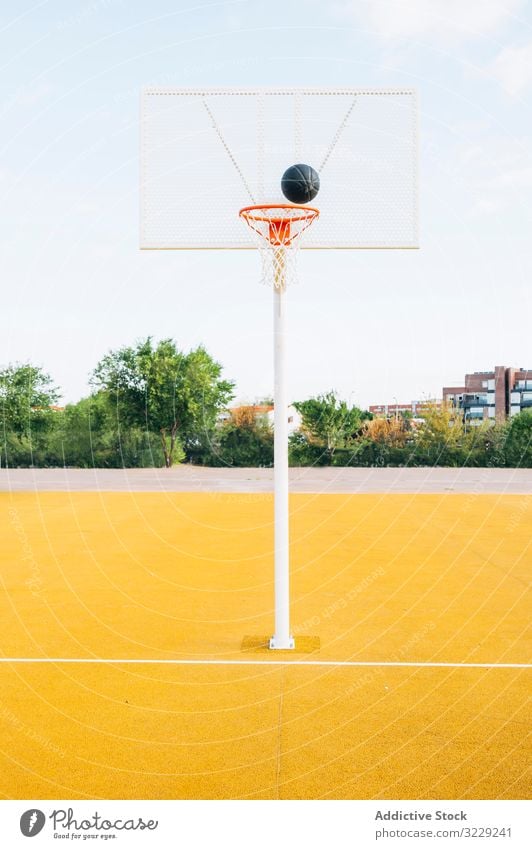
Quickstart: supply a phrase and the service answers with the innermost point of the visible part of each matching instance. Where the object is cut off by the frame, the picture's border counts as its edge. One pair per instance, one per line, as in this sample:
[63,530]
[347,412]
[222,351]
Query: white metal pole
[282,638]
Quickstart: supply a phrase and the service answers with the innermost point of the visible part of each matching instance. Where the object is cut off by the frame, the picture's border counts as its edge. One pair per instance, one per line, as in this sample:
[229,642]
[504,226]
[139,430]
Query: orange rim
[247,212]
[280,233]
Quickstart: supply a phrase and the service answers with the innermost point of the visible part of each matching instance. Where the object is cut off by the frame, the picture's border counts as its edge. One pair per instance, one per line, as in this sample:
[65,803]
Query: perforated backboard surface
[205,154]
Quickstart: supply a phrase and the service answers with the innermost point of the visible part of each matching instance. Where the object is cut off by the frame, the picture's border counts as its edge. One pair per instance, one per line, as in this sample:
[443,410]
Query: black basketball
[300,183]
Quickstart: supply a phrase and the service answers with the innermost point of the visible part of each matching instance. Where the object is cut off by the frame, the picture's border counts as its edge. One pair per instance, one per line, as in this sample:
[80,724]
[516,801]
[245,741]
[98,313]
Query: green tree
[443,440]
[86,434]
[518,444]
[486,444]
[204,396]
[245,440]
[383,442]
[327,423]
[27,394]
[163,390]
[83,435]
[305,450]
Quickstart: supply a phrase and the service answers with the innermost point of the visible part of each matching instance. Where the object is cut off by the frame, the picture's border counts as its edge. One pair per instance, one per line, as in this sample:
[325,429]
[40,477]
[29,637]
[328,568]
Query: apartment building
[415,408]
[504,391]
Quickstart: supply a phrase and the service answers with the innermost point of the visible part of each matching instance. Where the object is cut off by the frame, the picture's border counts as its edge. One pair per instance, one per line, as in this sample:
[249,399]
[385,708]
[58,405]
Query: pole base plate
[275,643]
[303,644]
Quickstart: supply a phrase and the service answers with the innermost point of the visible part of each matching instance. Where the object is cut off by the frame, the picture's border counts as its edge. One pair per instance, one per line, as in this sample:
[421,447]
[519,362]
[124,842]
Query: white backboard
[205,154]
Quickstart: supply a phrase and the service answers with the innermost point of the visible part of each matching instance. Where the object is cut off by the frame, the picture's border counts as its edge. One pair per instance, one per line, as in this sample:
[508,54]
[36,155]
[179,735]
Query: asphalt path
[187,478]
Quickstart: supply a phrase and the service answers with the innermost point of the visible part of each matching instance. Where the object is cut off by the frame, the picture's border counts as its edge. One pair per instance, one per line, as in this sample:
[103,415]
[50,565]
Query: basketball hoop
[278,229]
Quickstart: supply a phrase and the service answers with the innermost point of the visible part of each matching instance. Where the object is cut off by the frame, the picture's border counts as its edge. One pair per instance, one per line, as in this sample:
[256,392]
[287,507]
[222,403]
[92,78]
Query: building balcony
[524,399]
[475,401]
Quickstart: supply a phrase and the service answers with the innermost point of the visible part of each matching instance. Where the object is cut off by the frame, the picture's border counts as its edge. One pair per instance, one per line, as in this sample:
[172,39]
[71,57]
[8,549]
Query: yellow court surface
[124,673]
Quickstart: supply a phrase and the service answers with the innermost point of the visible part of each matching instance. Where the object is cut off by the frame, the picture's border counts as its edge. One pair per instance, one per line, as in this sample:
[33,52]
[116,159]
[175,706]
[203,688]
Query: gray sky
[373,325]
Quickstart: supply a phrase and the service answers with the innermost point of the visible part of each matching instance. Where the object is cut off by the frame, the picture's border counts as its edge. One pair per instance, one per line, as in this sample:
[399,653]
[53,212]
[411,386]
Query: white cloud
[485,206]
[513,68]
[496,174]
[29,95]
[441,20]
[516,178]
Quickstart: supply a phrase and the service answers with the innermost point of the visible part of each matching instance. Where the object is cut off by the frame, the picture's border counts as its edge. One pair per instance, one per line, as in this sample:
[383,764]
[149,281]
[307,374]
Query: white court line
[280,662]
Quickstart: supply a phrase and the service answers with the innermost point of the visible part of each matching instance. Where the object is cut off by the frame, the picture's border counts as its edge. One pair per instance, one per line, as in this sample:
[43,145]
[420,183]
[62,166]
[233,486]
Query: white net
[278,232]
